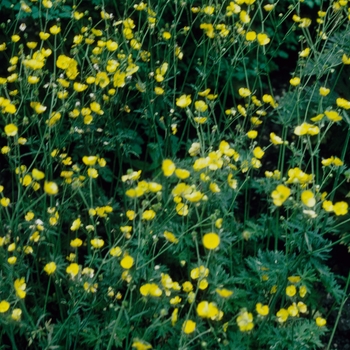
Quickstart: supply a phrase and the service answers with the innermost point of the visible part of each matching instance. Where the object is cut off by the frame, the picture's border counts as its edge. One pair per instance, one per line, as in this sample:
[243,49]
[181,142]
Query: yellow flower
[158,90]
[302,291]
[306,129]
[208,310]
[141,345]
[4,306]
[78,87]
[211,240]
[148,215]
[189,326]
[263,39]
[282,315]
[252,134]
[305,52]
[343,103]
[119,79]
[102,79]
[54,30]
[72,269]
[150,289]
[97,243]
[76,243]
[38,107]
[345,59]
[308,198]
[183,101]
[12,260]
[224,293]
[280,195]
[250,36]
[294,279]
[276,140]
[321,322]
[294,81]
[340,208]
[11,130]
[90,160]
[168,167]
[116,251]
[333,116]
[302,307]
[50,268]
[20,287]
[170,237]
[324,91]
[200,106]
[262,310]
[293,310]
[44,36]
[291,290]
[15,38]
[47,3]
[245,321]
[258,152]
[50,188]
[16,314]
[33,79]
[127,262]
[182,209]
[244,17]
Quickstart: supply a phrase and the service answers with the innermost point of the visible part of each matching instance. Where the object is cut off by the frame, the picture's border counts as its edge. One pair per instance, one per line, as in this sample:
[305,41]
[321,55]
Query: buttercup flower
[4,306]
[183,101]
[262,310]
[127,262]
[245,321]
[211,240]
[50,188]
[168,167]
[321,322]
[11,130]
[280,195]
[189,326]
[50,268]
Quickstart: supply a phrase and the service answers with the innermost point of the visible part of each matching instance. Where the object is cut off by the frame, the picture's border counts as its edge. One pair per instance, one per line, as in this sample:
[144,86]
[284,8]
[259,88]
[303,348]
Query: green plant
[158,189]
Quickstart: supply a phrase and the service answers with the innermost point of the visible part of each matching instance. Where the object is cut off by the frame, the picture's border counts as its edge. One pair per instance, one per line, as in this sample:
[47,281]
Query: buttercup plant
[158,188]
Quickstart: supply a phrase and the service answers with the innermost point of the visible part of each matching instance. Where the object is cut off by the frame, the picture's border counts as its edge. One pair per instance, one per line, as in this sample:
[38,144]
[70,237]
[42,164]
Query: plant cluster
[159,187]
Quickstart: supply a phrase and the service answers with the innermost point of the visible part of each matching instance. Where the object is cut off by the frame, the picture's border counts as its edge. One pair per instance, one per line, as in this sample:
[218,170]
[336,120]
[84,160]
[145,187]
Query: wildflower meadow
[174,174]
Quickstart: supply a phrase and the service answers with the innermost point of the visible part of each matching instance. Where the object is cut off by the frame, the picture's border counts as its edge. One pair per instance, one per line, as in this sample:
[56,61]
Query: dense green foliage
[173,174]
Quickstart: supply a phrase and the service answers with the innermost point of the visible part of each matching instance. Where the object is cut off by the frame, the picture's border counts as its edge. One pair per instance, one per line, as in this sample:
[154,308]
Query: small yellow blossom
[127,262]
[183,101]
[211,240]
[245,321]
[295,81]
[168,167]
[280,195]
[291,290]
[282,315]
[54,30]
[50,268]
[76,243]
[324,91]
[189,326]
[261,309]
[97,243]
[50,188]
[321,322]
[263,39]
[4,306]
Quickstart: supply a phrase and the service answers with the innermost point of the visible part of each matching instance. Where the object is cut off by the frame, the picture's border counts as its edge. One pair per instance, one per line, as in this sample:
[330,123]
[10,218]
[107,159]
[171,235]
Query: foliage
[160,186]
